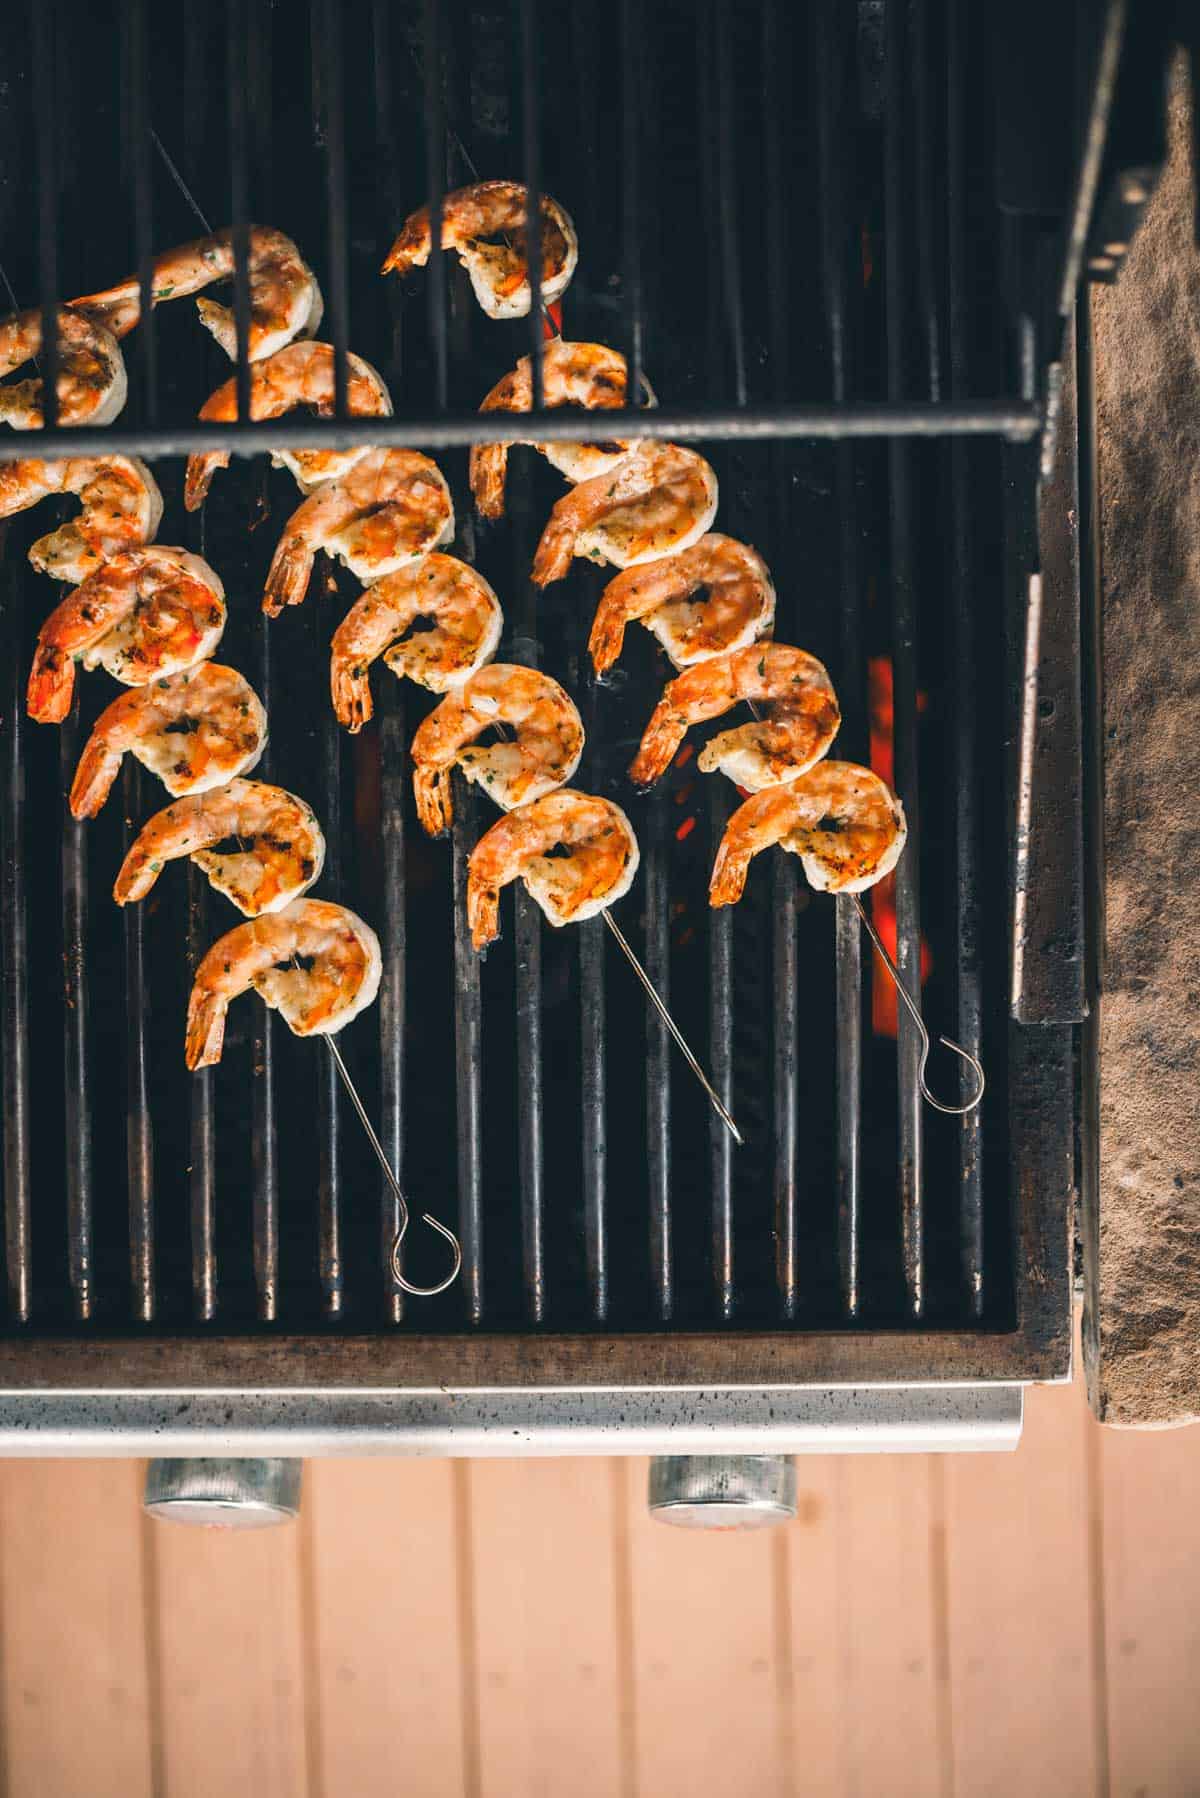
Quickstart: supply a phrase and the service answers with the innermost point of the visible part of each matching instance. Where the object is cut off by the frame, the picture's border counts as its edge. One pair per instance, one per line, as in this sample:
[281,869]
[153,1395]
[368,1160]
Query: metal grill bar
[533,199]
[393,796]
[265,1205]
[731,288]
[720,1031]
[656,873]
[135,89]
[202,1180]
[331,131]
[595,1124]
[785,1027]
[77,1104]
[322,615]
[46,113]
[904,666]
[1015,420]
[435,186]
[239,151]
[835,157]
[468,1055]
[527,920]
[17,1192]
[965,758]
[631,194]
[139,1130]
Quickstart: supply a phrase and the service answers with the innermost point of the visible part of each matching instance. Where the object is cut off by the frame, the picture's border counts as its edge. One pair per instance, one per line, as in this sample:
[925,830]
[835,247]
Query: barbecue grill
[826,237]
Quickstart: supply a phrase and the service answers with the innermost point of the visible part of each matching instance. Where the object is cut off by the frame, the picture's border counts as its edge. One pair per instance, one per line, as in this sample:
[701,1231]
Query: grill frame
[1041,1063]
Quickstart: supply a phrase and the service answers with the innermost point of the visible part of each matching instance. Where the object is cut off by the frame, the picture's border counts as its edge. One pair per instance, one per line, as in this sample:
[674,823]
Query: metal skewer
[914,1013]
[420,1292]
[913,1009]
[672,1026]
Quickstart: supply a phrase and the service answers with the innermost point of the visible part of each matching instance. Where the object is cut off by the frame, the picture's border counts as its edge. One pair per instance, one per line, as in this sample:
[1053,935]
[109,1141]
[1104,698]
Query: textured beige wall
[1147,331]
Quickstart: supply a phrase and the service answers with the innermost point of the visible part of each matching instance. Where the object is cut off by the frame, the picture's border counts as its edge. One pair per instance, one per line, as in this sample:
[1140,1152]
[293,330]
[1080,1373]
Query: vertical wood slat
[231,1660]
[710,1714]
[388,1651]
[543,1535]
[1026,1699]
[1149,1489]
[76,1683]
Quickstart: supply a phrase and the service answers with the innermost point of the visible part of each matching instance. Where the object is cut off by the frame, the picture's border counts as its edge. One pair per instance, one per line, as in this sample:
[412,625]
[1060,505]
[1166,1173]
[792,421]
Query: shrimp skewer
[546,751]
[802,722]
[148,613]
[280,846]
[122,507]
[466,630]
[499,271]
[341,977]
[849,831]
[575,854]
[573,374]
[194,731]
[300,375]
[91,382]
[390,509]
[844,823]
[659,500]
[285,301]
[715,597]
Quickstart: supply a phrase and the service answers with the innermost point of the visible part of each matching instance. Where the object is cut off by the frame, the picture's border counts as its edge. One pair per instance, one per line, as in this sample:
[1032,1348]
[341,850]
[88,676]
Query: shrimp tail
[51,685]
[554,552]
[138,873]
[407,252]
[608,637]
[351,694]
[198,479]
[434,795]
[489,470]
[205,1028]
[728,875]
[288,577]
[219,320]
[98,768]
[483,912]
[658,745]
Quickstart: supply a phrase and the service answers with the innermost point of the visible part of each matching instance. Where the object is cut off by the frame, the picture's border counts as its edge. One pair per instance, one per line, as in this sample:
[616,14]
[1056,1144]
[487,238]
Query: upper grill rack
[809,175]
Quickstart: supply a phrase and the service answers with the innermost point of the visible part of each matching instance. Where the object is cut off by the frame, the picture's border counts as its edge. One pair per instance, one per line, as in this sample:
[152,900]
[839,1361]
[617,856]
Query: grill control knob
[723,1492]
[231,1494]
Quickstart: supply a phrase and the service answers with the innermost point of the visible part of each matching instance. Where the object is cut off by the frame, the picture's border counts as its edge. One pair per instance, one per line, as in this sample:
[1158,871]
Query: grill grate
[802,253]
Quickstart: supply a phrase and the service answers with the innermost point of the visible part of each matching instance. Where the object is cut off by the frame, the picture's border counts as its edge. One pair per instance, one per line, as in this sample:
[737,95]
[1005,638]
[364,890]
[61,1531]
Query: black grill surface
[785,214]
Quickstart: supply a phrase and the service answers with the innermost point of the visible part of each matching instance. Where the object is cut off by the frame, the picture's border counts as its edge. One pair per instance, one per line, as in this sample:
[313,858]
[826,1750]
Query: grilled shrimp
[122,507]
[317,964]
[846,826]
[91,382]
[715,597]
[802,722]
[280,847]
[391,508]
[195,731]
[285,301]
[575,853]
[659,500]
[499,271]
[467,621]
[300,375]
[549,741]
[150,612]
[573,374]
